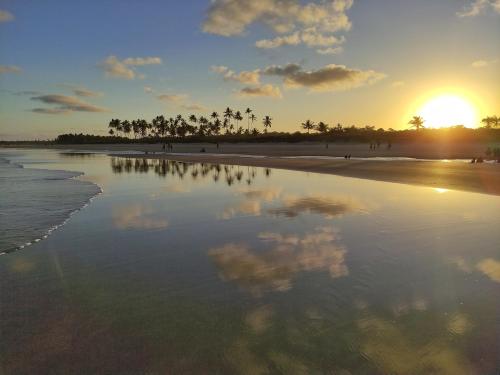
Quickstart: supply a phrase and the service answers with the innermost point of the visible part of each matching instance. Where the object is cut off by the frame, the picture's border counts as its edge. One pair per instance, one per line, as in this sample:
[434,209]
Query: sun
[448,110]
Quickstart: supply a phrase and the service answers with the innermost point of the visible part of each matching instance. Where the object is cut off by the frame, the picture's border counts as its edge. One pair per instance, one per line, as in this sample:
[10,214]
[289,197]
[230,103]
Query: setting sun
[448,110]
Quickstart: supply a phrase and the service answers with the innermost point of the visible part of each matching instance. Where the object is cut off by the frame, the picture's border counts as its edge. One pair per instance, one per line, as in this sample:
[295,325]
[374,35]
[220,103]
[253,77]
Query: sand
[455,175]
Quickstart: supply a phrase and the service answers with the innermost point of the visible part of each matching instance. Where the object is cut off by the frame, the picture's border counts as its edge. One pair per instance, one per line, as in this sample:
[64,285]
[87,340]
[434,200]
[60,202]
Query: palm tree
[114,125]
[322,127]
[143,127]
[126,127]
[228,115]
[238,118]
[248,111]
[193,119]
[214,115]
[417,122]
[308,125]
[253,118]
[267,122]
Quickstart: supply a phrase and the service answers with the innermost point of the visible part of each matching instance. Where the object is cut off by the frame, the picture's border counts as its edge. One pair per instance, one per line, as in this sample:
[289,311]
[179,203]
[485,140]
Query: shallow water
[35,201]
[209,269]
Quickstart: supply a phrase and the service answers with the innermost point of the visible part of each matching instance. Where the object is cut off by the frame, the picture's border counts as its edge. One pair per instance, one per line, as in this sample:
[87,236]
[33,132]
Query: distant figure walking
[473,160]
[389,145]
[345,157]
[349,156]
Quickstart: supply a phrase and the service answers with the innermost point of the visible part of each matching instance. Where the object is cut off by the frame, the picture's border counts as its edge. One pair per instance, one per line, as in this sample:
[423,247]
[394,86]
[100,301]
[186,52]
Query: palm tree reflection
[163,168]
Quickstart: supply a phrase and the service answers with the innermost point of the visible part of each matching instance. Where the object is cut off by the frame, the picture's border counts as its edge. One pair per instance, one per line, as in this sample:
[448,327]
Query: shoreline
[479,178]
[420,164]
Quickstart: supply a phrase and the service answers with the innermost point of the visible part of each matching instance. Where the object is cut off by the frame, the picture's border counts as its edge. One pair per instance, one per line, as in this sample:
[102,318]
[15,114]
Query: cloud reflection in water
[274,269]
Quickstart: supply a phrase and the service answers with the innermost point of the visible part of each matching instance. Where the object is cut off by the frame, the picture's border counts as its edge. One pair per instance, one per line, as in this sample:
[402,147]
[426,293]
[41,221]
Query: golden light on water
[448,110]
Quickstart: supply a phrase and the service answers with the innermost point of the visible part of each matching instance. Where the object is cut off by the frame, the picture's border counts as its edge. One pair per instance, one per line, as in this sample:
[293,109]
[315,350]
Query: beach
[194,268]
[432,165]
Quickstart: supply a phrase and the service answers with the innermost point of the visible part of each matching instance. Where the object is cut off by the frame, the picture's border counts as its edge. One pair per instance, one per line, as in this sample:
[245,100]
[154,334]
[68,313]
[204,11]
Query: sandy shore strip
[441,150]
[313,157]
[480,178]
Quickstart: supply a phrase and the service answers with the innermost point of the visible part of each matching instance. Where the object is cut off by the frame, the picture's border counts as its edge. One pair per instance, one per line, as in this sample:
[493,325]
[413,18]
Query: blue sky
[355,62]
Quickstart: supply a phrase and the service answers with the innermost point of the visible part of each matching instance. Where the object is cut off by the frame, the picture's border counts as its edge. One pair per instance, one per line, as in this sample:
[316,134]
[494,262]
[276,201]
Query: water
[211,269]
[36,201]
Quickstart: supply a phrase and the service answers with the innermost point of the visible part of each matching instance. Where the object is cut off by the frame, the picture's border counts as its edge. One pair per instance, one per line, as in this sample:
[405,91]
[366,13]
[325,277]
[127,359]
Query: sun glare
[448,110]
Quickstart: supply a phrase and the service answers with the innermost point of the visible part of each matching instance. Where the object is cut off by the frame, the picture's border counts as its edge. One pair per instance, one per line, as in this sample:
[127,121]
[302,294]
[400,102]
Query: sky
[71,66]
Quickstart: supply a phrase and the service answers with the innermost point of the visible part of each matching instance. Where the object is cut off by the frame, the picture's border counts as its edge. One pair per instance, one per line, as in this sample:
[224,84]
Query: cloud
[86,93]
[264,90]
[194,107]
[81,91]
[65,104]
[6,16]
[311,37]
[115,68]
[232,17]
[139,61]
[398,84]
[9,69]
[246,77]
[329,78]
[477,7]
[172,98]
[148,89]
[483,63]
[180,100]
[312,24]
[287,40]
[51,111]
[330,50]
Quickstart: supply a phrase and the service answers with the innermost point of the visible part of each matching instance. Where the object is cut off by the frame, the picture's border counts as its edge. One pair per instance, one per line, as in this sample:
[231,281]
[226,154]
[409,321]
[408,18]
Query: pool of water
[181,268]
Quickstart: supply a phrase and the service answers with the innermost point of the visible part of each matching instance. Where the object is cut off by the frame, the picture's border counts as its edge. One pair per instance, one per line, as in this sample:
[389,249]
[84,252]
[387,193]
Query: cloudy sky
[71,66]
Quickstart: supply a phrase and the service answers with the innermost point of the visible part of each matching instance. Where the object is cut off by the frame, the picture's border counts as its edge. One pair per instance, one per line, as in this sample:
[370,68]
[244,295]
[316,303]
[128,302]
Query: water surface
[210,269]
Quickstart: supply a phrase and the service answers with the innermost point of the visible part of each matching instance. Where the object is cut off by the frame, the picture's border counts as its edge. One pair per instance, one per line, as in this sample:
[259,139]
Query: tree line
[160,127]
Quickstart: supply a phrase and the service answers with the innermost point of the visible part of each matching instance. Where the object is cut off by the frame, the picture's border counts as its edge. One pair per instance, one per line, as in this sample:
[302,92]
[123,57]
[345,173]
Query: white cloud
[287,40]
[246,77]
[148,89]
[329,78]
[330,50]
[312,24]
[138,61]
[311,37]
[477,7]
[264,90]
[483,63]
[9,69]
[115,68]
[5,16]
